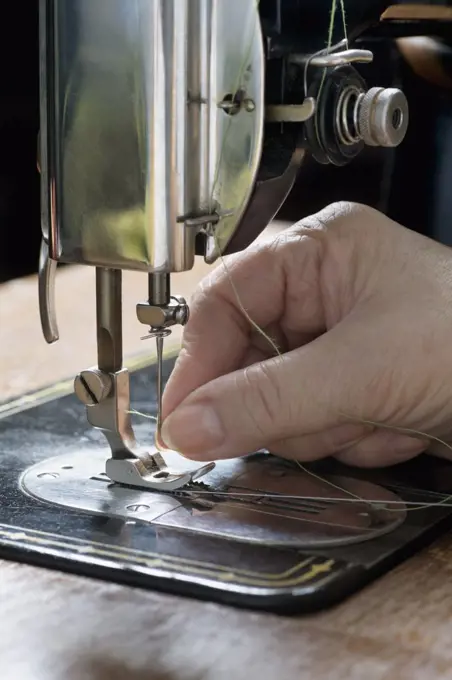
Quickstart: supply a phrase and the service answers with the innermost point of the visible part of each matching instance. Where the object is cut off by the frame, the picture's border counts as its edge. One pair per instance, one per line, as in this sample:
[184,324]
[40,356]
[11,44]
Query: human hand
[362,311]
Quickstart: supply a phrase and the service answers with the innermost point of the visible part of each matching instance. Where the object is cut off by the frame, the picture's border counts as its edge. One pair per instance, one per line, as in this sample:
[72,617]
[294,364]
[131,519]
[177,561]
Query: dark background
[19,125]
[413,185]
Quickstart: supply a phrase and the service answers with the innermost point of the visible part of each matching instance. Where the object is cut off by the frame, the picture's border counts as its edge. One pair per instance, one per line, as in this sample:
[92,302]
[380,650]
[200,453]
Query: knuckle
[345,218]
[340,220]
[348,209]
[339,217]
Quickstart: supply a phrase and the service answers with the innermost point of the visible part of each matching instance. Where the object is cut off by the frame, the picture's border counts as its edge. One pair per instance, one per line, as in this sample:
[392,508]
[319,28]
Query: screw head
[137,507]
[92,387]
[182,312]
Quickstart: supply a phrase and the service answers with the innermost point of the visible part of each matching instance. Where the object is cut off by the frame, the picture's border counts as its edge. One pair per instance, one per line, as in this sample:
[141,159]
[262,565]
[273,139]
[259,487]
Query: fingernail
[162,447]
[159,443]
[193,431]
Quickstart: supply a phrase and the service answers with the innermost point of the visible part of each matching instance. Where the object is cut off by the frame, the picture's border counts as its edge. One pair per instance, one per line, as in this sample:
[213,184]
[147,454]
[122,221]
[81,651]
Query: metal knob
[383,117]
[92,386]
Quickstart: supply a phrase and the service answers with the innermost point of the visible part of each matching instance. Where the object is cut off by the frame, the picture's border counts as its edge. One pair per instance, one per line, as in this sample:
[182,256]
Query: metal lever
[290,113]
[46,289]
[300,113]
[337,58]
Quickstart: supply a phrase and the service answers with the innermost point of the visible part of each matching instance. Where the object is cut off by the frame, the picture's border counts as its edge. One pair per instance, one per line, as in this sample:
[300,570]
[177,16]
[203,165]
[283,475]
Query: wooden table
[59,627]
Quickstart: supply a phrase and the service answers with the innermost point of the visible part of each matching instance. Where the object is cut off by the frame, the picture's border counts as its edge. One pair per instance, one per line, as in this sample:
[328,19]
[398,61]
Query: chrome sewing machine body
[176,128]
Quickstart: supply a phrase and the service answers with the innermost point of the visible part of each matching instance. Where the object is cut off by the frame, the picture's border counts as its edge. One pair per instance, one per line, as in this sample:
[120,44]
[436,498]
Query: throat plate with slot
[256,500]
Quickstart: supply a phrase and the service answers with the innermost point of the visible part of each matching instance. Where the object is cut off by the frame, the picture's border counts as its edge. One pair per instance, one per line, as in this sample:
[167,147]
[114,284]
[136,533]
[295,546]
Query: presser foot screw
[92,387]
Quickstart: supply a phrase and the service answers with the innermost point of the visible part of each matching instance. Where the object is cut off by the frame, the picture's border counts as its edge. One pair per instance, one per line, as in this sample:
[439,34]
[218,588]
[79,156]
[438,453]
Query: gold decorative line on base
[17,536]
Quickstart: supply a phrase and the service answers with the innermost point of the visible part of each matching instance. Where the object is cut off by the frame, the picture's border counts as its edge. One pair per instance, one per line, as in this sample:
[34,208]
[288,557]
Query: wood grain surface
[418,11]
[58,627]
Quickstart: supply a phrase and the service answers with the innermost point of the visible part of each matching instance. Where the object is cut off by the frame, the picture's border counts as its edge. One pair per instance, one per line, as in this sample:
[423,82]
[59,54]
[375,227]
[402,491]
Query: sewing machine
[172,129]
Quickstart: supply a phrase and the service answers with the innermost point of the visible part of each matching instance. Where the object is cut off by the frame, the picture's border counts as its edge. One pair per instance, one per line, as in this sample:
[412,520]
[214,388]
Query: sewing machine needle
[159,343]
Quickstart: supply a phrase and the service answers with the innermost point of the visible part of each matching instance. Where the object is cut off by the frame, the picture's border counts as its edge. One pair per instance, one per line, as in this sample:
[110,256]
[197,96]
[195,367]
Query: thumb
[298,393]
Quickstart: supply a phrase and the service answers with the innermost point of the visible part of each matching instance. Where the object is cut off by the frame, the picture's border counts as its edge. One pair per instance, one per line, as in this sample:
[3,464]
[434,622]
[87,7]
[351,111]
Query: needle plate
[258,500]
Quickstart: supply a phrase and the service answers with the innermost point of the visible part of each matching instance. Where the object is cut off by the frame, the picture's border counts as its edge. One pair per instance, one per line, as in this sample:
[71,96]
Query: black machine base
[206,554]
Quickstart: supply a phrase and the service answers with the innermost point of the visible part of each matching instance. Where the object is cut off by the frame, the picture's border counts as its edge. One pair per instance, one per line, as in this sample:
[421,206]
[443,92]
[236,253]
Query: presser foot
[107,400]
[134,472]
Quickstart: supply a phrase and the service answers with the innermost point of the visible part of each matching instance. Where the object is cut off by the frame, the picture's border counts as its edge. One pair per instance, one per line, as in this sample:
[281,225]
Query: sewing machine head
[175,128]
